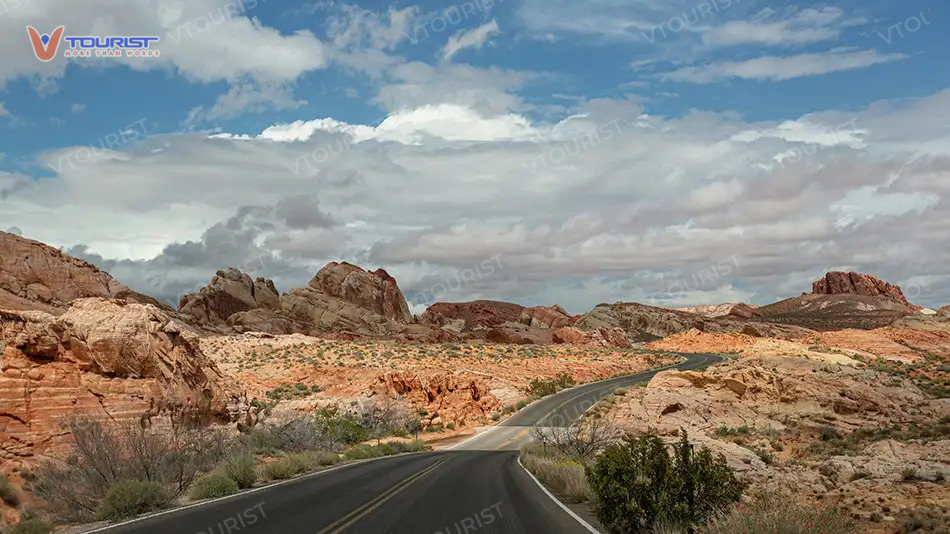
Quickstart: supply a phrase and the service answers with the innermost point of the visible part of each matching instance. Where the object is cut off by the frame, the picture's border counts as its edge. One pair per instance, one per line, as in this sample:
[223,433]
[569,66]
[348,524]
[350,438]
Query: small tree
[637,483]
[583,440]
[384,416]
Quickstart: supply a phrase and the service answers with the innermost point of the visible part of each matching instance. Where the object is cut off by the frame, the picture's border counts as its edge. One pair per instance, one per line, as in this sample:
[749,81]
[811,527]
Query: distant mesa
[841,283]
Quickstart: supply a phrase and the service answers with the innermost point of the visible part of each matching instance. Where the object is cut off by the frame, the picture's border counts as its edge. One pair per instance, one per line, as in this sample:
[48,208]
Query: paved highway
[475,487]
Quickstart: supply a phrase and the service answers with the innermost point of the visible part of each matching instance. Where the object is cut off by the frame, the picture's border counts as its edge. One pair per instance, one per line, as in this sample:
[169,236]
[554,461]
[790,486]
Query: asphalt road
[476,487]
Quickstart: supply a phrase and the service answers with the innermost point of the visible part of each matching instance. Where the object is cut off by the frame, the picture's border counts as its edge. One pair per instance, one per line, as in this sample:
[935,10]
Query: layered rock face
[729,309]
[478,313]
[229,292]
[34,276]
[105,358]
[840,283]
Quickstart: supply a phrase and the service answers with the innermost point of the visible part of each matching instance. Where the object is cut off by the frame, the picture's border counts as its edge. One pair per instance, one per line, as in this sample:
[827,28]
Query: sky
[670,152]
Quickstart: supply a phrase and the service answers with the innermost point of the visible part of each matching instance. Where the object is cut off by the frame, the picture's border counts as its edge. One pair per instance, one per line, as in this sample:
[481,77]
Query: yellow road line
[516,436]
[347,521]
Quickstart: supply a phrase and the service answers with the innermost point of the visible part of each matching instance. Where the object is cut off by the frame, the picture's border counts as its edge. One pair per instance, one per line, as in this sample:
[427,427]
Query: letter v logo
[45,46]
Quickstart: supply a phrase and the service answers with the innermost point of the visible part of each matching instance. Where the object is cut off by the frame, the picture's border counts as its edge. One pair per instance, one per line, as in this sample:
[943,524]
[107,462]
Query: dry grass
[559,473]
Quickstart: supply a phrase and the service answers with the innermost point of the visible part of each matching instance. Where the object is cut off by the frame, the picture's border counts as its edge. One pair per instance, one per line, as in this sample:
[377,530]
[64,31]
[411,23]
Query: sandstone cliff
[34,276]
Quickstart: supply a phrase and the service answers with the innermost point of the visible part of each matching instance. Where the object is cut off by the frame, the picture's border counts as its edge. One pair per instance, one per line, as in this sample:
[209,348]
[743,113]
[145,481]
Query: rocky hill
[944,312]
[842,300]
[34,276]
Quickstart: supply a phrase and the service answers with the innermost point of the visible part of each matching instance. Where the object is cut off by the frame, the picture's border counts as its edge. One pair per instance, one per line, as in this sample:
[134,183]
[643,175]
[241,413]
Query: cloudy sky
[672,152]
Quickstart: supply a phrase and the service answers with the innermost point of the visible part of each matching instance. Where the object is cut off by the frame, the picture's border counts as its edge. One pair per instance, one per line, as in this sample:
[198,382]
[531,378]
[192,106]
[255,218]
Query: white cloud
[474,38]
[778,68]
[246,97]
[77,108]
[810,25]
[433,190]
[3,111]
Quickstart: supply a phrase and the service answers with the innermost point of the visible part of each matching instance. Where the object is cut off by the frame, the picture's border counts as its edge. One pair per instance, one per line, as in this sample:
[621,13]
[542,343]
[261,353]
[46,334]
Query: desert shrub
[8,493]
[213,485]
[279,470]
[129,498]
[564,475]
[638,483]
[416,445]
[542,388]
[781,514]
[31,523]
[308,461]
[105,454]
[240,468]
[340,428]
[361,452]
[288,392]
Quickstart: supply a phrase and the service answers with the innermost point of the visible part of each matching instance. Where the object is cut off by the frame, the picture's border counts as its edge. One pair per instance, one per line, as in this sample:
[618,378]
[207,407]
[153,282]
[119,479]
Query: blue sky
[785,132]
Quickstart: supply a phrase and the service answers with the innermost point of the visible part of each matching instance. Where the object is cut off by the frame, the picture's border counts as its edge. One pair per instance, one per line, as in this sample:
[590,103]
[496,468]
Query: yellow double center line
[347,521]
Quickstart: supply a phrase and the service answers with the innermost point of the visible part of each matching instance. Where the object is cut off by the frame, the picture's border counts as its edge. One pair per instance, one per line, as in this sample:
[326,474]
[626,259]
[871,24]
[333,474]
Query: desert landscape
[840,395]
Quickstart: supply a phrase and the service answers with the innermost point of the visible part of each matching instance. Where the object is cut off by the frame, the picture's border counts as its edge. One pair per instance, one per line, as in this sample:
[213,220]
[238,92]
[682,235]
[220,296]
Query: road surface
[475,487]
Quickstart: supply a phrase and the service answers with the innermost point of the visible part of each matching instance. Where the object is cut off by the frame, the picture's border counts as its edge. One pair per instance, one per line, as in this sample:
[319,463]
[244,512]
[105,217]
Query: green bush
[638,483]
[129,498]
[240,468]
[339,426]
[774,514]
[213,485]
[31,523]
[279,470]
[8,493]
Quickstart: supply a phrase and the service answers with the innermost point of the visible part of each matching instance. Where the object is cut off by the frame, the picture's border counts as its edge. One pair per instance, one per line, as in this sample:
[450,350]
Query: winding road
[476,486]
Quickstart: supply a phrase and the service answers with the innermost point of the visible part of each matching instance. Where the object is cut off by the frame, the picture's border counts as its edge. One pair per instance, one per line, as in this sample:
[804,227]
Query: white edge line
[240,494]
[570,512]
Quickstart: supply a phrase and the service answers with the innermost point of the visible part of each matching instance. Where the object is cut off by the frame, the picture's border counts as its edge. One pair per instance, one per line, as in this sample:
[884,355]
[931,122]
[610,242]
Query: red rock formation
[479,313]
[545,317]
[840,283]
[944,312]
[376,291]
[447,398]
[598,337]
[34,276]
[106,358]
[229,292]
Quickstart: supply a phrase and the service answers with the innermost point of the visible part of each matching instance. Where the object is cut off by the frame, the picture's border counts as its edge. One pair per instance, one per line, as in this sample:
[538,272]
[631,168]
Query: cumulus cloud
[474,38]
[608,204]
